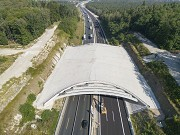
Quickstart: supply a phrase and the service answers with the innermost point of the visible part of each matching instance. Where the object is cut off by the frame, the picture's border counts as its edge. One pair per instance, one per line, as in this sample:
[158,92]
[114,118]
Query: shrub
[31,98]
[171,87]
[27,111]
[3,39]
[145,124]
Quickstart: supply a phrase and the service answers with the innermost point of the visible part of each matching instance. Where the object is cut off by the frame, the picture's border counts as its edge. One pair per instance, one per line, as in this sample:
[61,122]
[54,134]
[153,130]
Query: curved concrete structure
[96,69]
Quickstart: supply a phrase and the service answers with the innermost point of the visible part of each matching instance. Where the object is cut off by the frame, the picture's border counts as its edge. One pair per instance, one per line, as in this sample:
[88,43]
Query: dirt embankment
[153,82]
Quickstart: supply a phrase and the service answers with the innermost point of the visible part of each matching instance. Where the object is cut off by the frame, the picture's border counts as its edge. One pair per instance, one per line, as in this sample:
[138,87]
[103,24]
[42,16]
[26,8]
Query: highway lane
[111,121]
[68,119]
[115,121]
[88,31]
[127,129]
[78,109]
[100,37]
[83,113]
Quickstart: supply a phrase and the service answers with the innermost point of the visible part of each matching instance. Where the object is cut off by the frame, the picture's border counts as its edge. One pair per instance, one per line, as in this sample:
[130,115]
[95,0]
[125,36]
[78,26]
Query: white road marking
[99,116]
[120,116]
[67,123]
[106,117]
[75,115]
[113,116]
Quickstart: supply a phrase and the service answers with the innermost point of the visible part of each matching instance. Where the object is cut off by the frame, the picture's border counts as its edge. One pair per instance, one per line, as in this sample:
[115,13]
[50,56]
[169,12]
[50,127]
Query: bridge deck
[97,63]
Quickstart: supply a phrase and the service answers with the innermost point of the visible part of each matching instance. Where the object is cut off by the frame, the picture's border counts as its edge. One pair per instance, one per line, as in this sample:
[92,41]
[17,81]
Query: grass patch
[6,62]
[171,87]
[77,39]
[46,125]
[144,124]
[78,34]
[142,50]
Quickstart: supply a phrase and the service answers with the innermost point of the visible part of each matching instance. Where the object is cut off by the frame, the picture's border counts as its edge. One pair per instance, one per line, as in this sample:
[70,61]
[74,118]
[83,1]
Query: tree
[3,38]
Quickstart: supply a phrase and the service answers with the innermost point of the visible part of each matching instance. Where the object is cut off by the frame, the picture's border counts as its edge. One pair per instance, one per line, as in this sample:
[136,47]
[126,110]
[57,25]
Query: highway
[100,37]
[78,109]
[88,31]
[115,120]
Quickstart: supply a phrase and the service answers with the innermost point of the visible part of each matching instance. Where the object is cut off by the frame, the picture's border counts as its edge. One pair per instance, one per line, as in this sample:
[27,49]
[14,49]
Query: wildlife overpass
[96,69]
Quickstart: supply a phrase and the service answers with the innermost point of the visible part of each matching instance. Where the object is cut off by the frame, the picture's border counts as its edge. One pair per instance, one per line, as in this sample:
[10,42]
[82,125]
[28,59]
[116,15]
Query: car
[84,37]
[84,124]
[90,27]
[91,35]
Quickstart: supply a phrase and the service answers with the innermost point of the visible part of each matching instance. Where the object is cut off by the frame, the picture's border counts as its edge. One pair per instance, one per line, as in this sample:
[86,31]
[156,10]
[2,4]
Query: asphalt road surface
[77,110]
[115,121]
[88,31]
[100,37]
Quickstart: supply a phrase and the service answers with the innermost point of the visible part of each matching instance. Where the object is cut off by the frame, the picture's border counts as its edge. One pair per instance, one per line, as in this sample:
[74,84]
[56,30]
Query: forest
[159,22]
[22,21]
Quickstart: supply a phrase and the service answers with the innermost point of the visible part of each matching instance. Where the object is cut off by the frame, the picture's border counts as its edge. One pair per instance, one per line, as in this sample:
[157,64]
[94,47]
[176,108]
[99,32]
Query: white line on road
[113,116]
[120,117]
[106,117]
[99,116]
[67,123]
[75,116]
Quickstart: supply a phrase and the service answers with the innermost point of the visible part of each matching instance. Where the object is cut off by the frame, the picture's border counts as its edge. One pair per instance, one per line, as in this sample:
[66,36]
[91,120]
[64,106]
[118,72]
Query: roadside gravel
[171,60]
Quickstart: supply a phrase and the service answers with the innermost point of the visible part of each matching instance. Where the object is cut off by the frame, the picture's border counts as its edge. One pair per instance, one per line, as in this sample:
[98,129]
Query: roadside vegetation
[171,87]
[131,39]
[27,110]
[6,61]
[23,21]
[172,125]
[145,124]
[45,123]
[78,34]
[158,22]
[22,103]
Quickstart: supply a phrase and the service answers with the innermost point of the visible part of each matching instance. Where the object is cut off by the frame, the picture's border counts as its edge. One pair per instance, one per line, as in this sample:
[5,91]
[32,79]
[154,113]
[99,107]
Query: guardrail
[61,114]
